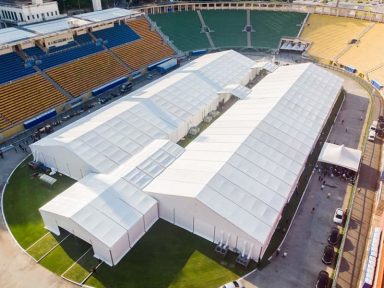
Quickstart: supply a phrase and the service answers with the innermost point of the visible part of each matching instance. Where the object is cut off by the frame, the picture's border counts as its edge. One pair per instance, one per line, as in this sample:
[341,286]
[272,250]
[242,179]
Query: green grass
[23,197]
[45,244]
[63,256]
[168,256]
[82,268]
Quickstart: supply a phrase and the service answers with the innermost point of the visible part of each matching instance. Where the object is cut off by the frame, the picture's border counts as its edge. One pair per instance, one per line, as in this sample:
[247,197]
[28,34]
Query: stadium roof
[9,35]
[27,32]
[246,165]
[107,14]
[55,26]
[166,108]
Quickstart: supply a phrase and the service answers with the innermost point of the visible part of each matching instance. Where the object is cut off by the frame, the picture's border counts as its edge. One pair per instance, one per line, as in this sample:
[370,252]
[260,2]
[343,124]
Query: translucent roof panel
[54,26]
[107,14]
[9,35]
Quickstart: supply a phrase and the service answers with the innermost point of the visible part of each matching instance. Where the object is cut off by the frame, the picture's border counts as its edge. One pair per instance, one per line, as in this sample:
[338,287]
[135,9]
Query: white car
[373,126]
[233,284]
[339,216]
[371,135]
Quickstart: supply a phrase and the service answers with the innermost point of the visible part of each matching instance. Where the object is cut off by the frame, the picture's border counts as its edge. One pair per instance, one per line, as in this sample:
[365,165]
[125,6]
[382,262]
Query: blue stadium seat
[117,35]
[54,59]
[53,49]
[12,67]
[82,39]
[34,51]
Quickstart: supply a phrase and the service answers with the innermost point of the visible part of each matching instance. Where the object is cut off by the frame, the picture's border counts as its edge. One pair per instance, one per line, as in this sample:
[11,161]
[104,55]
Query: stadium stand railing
[83,75]
[149,49]
[27,97]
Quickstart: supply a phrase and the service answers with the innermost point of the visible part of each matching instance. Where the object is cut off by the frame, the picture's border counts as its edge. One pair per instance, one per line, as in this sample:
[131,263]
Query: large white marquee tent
[232,182]
[164,109]
[229,185]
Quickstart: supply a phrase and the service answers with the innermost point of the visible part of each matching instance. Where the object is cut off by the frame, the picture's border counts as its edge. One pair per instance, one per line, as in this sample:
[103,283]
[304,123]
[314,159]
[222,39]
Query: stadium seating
[117,35]
[228,30]
[87,73]
[4,123]
[367,53]
[147,50]
[70,44]
[183,28]
[27,97]
[12,67]
[330,34]
[54,59]
[270,26]
[34,51]
[82,39]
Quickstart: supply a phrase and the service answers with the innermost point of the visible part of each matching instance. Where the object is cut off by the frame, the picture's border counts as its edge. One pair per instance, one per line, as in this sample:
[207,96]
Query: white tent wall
[62,159]
[101,251]
[192,215]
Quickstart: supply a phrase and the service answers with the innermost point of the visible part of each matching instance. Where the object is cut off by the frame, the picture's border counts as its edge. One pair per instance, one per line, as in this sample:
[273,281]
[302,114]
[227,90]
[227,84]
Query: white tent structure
[229,185]
[109,210]
[232,182]
[341,156]
[164,109]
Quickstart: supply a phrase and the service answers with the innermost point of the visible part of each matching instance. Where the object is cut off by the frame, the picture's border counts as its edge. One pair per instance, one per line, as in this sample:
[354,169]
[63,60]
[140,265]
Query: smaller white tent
[110,211]
[341,156]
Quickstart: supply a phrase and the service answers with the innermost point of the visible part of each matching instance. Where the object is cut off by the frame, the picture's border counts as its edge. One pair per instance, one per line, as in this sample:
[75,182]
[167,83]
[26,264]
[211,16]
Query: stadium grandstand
[70,57]
[228,29]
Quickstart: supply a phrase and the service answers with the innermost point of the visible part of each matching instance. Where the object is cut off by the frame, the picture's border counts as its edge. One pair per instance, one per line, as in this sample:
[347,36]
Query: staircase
[349,46]
[50,80]
[205,29]
[249,34]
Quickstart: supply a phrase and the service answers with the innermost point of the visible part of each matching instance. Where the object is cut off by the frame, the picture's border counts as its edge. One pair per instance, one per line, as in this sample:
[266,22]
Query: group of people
[334,171]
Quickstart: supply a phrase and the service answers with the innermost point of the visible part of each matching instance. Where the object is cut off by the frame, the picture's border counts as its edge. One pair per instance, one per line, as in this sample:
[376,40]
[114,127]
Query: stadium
[192,144]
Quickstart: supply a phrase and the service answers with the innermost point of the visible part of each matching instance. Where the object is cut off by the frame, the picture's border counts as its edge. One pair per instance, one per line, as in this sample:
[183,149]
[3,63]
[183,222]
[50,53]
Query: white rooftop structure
[246,165]
[110,210]
[108,14]
[229,185]
[9,35]
[341,156]
[55,26]
[164,109]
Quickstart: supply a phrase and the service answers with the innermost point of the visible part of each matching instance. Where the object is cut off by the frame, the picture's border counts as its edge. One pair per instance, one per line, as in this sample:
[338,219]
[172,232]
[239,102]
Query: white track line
[76,261]
[50,250]
[33,244]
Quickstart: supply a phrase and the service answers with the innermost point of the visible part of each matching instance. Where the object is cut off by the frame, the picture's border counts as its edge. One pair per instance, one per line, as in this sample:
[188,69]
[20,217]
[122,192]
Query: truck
[167,66]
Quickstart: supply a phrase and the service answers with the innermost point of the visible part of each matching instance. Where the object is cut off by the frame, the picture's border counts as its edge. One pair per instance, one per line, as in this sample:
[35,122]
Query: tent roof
[107,205]
[106,138]
[341,156]
[245,165]
[54,26]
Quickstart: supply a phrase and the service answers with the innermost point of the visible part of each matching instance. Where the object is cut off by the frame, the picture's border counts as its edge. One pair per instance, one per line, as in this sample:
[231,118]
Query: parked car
[339,216]
[322,279]
[328,254]
[334,237]
[372,135]
[126,87]
[233,284]
[373,126]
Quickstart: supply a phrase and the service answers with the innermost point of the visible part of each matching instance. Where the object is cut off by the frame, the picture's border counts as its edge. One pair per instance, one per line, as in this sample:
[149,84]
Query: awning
[341,156]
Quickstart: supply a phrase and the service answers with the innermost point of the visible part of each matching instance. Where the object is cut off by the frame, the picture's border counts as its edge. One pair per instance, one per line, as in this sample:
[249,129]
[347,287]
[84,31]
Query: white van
[372,135]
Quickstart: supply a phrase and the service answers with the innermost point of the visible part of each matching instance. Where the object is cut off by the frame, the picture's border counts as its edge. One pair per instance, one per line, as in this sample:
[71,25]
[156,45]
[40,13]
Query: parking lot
[313,222]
